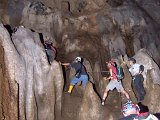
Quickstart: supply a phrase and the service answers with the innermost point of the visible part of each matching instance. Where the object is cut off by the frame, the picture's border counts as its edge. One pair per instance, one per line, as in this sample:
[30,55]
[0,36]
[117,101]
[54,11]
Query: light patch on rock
[72,46]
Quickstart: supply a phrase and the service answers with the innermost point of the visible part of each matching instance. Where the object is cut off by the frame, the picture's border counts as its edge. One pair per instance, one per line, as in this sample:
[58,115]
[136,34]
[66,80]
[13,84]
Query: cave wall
[123,27]
[8,86]
[31,88]
[96,30]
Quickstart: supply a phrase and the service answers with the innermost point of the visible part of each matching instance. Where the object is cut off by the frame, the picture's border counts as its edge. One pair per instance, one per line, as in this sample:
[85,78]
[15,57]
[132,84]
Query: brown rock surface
[97,30]
[39,85]
[8,85]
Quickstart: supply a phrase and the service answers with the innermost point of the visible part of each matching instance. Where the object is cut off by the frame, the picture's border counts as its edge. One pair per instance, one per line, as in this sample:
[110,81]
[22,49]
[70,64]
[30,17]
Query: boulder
[90,107]
[145,58]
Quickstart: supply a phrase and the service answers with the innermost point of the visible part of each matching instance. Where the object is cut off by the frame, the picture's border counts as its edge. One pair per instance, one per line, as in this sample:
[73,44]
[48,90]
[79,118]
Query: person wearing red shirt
[114,82]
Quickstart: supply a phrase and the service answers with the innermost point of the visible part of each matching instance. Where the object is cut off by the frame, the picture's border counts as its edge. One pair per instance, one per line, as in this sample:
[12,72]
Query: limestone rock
[90,108]
[151,98]
[8,84]
[127,81]
[143,57]
[40,85]
[39,17]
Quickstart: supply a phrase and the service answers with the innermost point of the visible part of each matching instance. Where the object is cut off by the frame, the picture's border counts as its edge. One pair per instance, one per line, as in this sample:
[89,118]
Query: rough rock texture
[96,30]
[90,108]
[145,58]
[152,98]
[127,84]
[8,84]
[39,84]
[151,79]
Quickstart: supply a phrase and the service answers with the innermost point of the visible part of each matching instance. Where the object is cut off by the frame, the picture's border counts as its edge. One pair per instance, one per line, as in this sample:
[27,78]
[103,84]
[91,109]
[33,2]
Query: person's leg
[84,79]
[105,96]
[110,86]
[120,88]
[135,89]
[73,82]
[125,93]
[138,83]
[50,55]
[142,90]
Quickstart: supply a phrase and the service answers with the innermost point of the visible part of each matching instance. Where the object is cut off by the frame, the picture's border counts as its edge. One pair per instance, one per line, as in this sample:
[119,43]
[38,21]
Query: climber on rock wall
[114,82]
[50,50]
[81,74]
[132,112]
[137,81]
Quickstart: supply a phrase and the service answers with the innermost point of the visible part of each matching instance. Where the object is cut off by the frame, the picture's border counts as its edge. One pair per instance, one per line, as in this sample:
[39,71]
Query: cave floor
[72,102]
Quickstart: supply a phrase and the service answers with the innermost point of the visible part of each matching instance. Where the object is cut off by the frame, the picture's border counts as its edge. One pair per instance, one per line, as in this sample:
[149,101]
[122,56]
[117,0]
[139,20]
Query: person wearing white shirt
[138,79]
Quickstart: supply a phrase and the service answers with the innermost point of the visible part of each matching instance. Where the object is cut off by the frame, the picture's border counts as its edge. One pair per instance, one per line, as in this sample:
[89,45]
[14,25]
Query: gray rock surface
[97,30]
[40,85]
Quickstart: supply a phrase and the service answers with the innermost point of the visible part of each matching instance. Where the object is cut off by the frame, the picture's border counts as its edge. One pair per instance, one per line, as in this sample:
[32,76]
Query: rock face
[90,108]
[145,58]
[39,84]
[8,84]
[96,30]
[127,84]
[152,98]
[151,79]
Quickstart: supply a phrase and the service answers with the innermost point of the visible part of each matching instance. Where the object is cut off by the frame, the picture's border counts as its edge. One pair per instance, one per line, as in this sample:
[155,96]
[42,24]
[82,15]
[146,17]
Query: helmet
[132,59]
[78,59]
[130,106]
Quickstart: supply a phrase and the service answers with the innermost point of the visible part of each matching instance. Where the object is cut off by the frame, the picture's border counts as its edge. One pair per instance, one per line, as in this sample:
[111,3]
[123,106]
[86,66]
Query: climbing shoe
[103,102]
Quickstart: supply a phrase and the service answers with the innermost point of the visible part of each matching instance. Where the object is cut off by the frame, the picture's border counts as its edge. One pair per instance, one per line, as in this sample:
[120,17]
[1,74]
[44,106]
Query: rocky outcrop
[127,81]
[151,76]
[39,84]
[145,58]
[8,84]
[90,108]
[96,30]
[152,98]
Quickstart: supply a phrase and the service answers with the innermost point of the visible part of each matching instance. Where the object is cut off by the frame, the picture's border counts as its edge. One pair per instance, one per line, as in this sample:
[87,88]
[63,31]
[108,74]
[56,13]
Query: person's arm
[110,71]
[65,64]
[54,49]
[141,69]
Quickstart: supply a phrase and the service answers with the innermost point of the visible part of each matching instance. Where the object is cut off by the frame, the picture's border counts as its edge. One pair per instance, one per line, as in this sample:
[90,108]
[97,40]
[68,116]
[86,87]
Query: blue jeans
[83,78]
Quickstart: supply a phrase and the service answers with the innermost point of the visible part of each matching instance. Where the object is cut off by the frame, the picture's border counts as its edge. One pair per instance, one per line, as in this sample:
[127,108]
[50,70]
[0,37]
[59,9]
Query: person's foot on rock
[103,102]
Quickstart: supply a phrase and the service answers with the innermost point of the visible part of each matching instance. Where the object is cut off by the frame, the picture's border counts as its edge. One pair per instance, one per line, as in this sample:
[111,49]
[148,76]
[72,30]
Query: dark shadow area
[65,77]
[143,108]
[40,36]
[157,115]
[34,31]
[94,87]
[8,27]
[42,41]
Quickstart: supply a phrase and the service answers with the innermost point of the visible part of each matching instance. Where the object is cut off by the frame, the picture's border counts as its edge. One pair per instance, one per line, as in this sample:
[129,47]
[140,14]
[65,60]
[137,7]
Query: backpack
[120,73]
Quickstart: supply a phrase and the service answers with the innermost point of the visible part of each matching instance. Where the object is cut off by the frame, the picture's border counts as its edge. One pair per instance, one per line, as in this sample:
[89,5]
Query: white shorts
[115,84]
